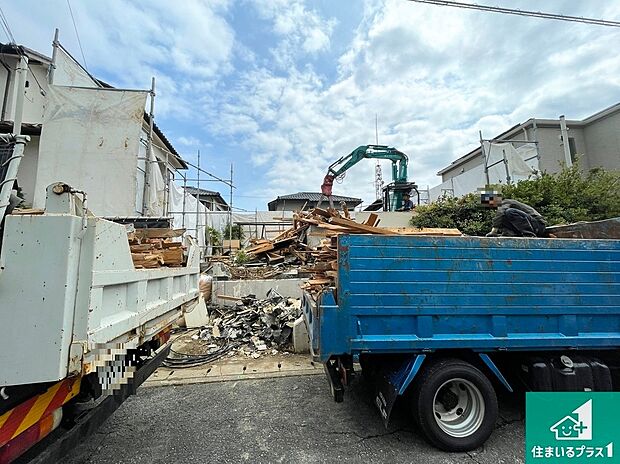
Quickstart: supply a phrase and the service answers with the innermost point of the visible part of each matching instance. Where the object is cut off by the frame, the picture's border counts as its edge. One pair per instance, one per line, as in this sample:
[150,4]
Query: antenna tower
[378,174]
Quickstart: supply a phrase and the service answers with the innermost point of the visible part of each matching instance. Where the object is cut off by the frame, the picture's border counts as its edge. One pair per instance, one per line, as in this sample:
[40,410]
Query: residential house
[213,201]
[595,140]
[66,72]
[308,200]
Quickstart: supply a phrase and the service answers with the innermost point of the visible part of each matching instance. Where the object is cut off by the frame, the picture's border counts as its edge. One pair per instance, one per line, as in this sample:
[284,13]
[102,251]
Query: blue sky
[282,88]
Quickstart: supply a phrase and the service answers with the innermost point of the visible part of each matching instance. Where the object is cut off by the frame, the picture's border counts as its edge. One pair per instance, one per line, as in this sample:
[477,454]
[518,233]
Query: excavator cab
[393,195]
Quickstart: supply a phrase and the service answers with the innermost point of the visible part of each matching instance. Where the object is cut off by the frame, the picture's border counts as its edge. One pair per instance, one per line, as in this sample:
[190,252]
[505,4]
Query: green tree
[567,196]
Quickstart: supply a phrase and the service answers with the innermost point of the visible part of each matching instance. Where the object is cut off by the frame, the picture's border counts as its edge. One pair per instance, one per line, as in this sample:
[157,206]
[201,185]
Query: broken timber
[153,248]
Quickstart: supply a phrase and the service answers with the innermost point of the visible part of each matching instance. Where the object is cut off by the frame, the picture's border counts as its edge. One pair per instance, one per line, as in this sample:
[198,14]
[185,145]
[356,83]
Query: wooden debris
[373,220]
[361,227]
[29,211]
[146,260]
[425,231]
[153,248]
[172,256]
[274,258]
[605,229]
[268,258]
[158,233]
[229,298]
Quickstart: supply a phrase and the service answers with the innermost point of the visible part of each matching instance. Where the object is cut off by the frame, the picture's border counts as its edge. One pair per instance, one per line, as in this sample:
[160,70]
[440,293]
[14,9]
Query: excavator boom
[339,167]
[398,158]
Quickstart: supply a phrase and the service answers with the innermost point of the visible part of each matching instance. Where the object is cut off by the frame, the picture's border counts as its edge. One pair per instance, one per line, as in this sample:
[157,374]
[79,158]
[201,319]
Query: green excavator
[392,193]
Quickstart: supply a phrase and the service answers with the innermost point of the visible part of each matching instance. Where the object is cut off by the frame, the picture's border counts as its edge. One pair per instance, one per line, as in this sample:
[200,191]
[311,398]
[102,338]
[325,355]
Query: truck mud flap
[61,441]
[392,378]
[335,384]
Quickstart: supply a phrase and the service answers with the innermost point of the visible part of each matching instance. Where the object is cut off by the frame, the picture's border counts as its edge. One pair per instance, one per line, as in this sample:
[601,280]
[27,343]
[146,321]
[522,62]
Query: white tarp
[157,186]
[263,224]
[518,169]
[522,163]
[529,155]
[90,140]
[69,72]
[195,219]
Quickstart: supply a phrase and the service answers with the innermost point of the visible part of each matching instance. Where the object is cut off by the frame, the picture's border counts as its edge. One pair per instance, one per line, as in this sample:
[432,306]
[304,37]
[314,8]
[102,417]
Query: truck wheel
[455,405]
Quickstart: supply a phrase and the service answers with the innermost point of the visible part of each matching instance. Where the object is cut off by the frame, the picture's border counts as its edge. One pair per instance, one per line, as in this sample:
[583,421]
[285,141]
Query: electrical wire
[77,35]
[11,37]
[5,26]
[511,11]
[186,360]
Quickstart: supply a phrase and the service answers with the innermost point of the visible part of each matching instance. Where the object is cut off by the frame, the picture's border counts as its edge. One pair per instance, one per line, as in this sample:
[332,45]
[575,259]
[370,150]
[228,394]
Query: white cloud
[434,75]
[316,41]
[189,141]
[297,27]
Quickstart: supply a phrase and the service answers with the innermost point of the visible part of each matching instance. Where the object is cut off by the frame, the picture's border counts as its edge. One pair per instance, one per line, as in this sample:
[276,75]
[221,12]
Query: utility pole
[230,211]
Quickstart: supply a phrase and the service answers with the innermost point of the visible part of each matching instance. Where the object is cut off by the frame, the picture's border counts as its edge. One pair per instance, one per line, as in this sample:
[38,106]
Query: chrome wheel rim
[458,408]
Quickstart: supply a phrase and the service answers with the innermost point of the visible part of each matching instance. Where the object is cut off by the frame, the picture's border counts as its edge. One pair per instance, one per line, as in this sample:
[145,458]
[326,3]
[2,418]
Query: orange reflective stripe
[15,417]
[37,410]
[3,418]
[28,413]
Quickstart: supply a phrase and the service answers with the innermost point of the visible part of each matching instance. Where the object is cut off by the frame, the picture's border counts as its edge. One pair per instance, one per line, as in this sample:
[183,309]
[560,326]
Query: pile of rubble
[289,250]
[320,262]
[252,326]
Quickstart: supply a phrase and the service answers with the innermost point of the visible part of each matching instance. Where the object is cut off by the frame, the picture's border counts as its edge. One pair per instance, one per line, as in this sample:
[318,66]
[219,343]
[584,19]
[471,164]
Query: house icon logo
[575,426]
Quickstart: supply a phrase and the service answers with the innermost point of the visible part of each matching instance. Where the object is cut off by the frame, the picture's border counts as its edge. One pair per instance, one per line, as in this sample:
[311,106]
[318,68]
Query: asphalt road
[290,419]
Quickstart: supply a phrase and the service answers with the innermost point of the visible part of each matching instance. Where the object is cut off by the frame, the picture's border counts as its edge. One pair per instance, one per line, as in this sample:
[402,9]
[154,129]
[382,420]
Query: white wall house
[83,132]
[540,144]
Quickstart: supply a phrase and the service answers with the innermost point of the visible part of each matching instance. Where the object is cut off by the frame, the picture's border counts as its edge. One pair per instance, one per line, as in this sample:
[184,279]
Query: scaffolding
[202,222]
[171,174]
[196,180]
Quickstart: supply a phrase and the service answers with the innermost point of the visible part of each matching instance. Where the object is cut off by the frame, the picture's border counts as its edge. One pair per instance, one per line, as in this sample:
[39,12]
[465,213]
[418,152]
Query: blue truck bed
[414,294]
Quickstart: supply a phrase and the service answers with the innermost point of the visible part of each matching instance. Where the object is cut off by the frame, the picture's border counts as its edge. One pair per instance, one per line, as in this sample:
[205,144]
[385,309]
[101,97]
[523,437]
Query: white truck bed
[68,288]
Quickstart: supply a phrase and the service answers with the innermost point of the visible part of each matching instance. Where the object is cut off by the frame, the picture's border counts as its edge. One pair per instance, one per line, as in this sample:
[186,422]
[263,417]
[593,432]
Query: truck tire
[455,405]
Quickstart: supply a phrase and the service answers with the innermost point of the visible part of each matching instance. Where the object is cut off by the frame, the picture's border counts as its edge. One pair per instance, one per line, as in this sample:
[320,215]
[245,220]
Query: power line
[77,35]
[5,26]
[11,37]
[535,14]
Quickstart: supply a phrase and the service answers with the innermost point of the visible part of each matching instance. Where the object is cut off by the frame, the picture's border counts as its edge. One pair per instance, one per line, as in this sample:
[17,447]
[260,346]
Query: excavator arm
[398,158]
[337,168]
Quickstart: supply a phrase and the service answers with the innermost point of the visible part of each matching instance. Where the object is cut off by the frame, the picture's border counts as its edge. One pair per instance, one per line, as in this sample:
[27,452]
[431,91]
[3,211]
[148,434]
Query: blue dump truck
[446,322]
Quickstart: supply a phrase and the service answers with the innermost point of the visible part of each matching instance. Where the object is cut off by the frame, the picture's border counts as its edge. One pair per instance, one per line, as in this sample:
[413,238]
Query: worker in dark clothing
[407,203]
[513,218]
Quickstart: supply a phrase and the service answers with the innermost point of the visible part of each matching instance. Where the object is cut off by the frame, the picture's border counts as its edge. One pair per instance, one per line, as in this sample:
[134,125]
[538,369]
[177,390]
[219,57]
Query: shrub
[236,231]
[568,196]
[214,236]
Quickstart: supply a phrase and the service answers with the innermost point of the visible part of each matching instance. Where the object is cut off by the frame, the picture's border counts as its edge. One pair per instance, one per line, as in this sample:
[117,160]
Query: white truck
[81,326]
